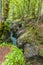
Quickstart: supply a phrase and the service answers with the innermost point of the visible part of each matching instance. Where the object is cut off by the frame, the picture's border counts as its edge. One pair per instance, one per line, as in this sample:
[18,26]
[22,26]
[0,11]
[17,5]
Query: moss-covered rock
[41,50]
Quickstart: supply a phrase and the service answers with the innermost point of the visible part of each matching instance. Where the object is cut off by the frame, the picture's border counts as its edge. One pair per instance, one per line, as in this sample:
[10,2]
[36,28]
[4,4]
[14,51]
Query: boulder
[30,50]
[21,39]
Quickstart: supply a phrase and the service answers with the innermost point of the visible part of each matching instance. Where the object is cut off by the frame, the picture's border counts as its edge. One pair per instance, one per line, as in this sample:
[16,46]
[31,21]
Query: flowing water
[13,38]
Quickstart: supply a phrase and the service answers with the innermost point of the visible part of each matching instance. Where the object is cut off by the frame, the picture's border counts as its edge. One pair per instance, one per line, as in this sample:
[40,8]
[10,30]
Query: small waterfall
[13,38]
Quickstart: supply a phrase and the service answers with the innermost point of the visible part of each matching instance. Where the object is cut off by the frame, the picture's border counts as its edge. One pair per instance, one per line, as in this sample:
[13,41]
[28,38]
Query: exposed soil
[4,50]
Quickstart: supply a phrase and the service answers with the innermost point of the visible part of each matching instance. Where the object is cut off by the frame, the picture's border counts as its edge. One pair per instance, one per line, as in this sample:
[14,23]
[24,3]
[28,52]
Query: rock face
[30,50]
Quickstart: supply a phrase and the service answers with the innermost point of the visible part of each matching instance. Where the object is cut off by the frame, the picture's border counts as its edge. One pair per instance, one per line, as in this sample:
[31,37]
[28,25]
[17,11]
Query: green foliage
[1,25]
[41,52]
[15,57]
[41,42]
[7,26]
[4,31]
[5,44]
[20,8]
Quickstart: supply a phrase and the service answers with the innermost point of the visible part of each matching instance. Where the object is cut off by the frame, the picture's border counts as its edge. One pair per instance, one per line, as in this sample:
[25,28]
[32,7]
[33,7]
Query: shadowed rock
[30,50]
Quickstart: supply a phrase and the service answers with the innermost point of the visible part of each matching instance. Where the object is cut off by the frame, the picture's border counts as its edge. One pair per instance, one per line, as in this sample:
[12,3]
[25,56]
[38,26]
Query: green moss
[41,52]
[15,57]
[5,44]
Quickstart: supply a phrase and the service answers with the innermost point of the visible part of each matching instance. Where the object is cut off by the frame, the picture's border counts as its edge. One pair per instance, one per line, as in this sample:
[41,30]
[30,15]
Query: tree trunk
[5,9]
[0,10]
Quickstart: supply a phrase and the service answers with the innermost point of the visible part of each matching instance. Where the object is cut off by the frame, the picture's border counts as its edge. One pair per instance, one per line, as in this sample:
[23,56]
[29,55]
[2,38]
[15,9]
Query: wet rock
[30,50]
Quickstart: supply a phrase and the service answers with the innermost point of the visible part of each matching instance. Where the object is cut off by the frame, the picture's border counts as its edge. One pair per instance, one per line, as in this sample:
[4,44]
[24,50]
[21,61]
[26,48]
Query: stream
[13,38]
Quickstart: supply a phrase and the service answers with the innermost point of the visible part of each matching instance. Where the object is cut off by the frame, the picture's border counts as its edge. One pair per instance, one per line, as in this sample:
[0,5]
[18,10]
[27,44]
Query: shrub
[41,42]
[41,52]
[15,57]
